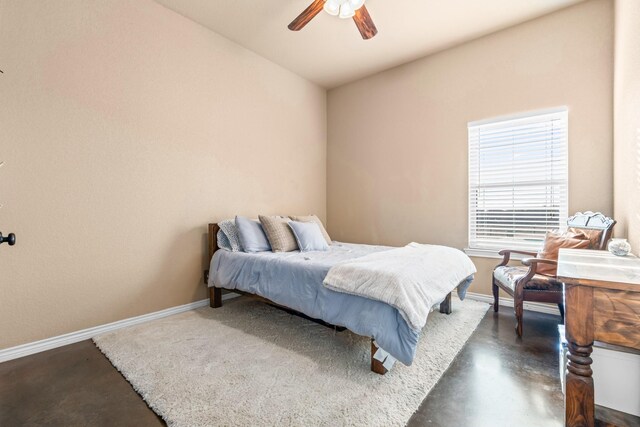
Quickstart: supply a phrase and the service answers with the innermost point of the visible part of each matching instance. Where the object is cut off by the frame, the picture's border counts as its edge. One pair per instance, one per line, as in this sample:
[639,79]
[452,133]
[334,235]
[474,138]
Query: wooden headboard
[213,239]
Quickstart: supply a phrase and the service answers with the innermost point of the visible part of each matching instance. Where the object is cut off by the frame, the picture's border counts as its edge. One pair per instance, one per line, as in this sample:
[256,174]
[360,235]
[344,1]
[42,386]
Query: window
[518,177]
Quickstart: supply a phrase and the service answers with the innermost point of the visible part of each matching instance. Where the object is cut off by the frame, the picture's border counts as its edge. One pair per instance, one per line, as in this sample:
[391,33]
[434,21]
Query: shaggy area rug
[249,364]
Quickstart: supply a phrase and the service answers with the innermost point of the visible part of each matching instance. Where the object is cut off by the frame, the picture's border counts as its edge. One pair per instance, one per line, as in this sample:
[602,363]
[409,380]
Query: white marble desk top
[601,266]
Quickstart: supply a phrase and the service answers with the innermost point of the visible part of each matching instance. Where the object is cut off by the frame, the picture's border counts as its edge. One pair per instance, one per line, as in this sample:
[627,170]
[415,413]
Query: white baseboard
[85,334]
[508,302]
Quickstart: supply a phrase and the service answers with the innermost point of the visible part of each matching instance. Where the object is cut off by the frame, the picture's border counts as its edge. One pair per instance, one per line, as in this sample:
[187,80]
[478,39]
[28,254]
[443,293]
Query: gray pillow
[228,227]
[251,234]
[313,218]
[309,236]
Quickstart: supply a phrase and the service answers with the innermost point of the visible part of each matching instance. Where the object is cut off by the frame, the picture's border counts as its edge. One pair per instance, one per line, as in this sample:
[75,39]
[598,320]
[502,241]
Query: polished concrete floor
[500,380]
[496,380]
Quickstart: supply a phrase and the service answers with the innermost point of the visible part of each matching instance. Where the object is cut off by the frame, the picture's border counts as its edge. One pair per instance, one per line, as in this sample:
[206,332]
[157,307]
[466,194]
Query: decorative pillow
[313,218]
[594,236]
[279,233]
[553,241]
[251,235]
[223,241]
[308,236]
[228,227]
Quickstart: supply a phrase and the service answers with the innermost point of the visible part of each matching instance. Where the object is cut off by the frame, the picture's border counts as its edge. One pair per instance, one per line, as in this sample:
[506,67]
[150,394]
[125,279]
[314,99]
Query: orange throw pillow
[594,236]
[555,240]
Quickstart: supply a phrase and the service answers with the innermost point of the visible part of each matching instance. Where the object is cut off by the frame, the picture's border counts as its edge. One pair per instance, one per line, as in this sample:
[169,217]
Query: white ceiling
[329,51]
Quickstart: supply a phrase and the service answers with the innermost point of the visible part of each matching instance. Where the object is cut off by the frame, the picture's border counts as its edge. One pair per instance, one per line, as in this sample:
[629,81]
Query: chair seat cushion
[508,275]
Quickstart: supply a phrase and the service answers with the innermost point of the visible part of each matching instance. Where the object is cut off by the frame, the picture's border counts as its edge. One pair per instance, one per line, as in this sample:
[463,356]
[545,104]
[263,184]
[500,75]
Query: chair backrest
[590,221]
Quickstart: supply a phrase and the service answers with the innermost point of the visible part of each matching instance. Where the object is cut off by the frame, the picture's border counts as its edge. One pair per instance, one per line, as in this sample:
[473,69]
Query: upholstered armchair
[526,283]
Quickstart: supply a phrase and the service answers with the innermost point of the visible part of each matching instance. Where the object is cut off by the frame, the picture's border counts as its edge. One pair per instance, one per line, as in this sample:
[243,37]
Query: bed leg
[445,306]
[376,365]
[215,297]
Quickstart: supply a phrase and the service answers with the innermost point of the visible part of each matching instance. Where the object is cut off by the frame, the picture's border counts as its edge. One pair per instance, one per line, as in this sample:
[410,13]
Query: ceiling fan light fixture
[346,10]
[332,7]
[356,4]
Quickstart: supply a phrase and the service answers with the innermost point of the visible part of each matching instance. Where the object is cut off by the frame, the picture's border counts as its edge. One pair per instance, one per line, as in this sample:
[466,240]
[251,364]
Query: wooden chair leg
[496,296]
[215,297]
[445,306]
[518,304]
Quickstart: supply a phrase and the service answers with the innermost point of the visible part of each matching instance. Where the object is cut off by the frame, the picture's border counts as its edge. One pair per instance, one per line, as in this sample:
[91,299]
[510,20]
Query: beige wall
[627,121]
[124,129]
[397,147]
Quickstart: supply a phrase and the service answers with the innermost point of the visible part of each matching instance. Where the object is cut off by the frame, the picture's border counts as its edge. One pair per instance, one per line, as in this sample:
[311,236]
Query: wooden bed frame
[215,301]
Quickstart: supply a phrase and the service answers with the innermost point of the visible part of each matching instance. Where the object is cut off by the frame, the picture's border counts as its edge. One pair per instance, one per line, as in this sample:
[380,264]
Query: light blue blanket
[294,279]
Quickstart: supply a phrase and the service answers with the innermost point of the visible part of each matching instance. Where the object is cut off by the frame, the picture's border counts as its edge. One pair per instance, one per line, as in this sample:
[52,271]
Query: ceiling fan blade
[364,23]
[307,15]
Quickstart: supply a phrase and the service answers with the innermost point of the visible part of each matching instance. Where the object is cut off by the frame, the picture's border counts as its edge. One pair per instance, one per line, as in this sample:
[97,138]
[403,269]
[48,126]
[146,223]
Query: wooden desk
[602,303]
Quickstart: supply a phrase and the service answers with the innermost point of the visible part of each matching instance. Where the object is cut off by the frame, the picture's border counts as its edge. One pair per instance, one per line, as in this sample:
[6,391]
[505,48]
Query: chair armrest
[506,255]
[532,263]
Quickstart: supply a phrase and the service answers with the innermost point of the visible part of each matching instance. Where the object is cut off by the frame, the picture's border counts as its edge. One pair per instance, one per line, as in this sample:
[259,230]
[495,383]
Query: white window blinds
[518,176]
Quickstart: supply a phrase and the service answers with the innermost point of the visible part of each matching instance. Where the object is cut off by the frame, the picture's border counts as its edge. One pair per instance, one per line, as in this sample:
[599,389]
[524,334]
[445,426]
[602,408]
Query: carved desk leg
[579,401]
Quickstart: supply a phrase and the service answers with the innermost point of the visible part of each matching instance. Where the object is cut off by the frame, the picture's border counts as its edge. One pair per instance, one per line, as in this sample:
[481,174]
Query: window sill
[493,253]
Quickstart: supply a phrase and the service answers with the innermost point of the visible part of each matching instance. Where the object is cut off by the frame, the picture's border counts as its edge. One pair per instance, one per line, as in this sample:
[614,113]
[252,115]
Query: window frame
[473,249]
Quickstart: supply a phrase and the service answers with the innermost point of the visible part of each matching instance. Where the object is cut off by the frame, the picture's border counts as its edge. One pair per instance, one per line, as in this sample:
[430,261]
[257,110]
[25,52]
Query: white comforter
[412,279]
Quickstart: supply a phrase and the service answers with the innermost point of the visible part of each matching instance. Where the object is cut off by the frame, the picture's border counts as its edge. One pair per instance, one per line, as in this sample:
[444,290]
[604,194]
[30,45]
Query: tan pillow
[313,218]
[594,236]
[279,233]
[555,240]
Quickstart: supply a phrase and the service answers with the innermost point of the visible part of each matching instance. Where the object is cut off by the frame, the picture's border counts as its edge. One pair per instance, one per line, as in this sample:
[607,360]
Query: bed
[294,281]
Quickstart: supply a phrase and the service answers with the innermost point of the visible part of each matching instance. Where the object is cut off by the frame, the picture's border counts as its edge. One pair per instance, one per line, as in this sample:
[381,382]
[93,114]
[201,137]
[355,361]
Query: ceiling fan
[342,8]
